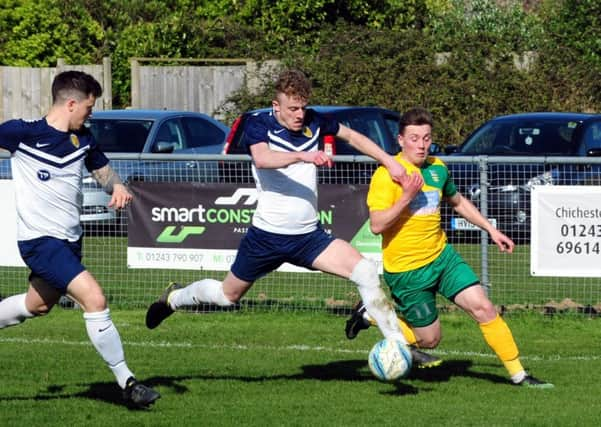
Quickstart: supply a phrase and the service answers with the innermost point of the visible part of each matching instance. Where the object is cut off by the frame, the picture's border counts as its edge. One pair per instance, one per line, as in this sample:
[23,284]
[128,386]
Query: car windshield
[523,137]
[120,136]
[372,124]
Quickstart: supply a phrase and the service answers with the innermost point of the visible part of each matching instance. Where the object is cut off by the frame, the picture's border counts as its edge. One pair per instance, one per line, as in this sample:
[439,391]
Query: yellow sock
[499,338]
[407,332]
[405,329]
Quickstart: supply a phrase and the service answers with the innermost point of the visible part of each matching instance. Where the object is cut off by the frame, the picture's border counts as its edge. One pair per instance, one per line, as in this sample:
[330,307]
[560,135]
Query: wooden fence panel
[195,86]
[202,85]
[26,92]
[191,88]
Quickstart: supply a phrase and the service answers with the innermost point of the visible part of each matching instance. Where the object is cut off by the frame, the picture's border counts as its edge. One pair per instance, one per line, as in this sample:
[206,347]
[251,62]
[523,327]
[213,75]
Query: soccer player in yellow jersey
[418,261]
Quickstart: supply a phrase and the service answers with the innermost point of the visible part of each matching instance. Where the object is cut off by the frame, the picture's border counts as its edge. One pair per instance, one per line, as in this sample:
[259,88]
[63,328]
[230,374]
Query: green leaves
[455,57]
[64,30]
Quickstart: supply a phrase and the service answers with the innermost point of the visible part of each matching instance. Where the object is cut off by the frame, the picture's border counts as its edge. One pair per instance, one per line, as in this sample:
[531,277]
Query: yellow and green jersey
[417,238]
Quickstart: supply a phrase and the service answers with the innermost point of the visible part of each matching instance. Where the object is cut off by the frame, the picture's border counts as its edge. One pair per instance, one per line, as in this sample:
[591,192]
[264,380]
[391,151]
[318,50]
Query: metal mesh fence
[500,187]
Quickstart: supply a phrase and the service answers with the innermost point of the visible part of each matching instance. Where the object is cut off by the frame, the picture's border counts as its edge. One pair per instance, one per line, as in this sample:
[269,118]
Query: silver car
[145,132]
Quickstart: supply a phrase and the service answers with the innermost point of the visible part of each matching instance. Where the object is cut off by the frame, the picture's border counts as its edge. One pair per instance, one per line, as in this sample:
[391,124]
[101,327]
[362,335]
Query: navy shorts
[261,252]
[56,261]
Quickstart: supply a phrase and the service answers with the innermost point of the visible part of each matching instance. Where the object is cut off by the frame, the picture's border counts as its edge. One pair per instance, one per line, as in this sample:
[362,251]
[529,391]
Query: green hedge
[356,52]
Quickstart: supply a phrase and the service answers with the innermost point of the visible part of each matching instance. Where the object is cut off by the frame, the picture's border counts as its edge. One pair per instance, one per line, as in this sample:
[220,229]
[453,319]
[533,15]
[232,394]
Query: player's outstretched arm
[369,148]
[111,183]
[120,197]
[467,210]
[107,178]
[265,158]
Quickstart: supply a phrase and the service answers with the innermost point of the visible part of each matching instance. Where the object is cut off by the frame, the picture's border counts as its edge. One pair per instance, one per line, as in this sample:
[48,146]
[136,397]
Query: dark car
[510,179]
[145,132]
[379,124]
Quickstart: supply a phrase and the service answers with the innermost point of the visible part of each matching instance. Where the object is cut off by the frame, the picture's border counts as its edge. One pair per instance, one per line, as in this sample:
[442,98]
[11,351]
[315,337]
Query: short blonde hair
[293,83]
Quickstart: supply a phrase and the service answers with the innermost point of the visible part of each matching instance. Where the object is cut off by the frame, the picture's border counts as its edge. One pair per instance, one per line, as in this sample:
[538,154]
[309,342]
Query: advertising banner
[566,231]
[199,226]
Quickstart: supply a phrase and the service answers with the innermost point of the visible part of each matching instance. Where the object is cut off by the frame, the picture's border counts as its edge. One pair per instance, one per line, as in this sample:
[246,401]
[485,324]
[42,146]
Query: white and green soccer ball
[390,360]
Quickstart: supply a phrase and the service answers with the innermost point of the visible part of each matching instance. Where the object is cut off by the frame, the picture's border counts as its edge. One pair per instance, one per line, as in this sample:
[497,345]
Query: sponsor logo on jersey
[43,175]
[74,140]
[307,132]
[425,203]
[40,145]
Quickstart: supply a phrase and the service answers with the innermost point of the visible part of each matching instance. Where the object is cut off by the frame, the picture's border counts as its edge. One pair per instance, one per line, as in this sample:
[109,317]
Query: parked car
[157,131]
[379,124]
[150,131]
[544,134]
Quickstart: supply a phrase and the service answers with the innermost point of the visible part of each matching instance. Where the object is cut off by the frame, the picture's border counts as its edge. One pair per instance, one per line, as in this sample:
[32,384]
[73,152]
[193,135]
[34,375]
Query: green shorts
[415,291]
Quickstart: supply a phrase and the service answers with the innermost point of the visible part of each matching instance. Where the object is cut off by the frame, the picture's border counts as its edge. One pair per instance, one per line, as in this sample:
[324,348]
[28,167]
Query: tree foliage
[576,26]
[31,38]
[509,27]
[384,52]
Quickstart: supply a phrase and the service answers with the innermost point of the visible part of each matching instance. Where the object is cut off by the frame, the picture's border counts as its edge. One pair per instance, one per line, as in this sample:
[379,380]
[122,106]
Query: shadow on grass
[354,370]
[345,370]
[454,368]
[107,392]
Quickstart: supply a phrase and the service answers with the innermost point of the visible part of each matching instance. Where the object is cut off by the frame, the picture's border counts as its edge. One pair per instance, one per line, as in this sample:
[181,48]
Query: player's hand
[318,158]
[504,243]
[121,197]
[397,171]
[412,184]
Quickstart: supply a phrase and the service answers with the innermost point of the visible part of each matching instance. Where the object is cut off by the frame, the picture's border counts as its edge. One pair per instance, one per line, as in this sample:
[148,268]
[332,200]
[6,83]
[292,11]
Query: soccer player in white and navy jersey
[48,156]
[285,228]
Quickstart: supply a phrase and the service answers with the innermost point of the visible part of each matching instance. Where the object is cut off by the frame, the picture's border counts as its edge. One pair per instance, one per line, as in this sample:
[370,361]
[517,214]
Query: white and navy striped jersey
[47,167]
[287,197]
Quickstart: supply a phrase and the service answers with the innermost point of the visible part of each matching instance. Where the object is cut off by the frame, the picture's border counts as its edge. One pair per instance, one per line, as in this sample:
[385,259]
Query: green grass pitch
[297,369]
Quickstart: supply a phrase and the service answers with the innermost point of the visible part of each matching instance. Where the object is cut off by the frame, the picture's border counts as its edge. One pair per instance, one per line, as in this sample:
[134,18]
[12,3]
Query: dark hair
[415,117]
[293,83]
[74,84]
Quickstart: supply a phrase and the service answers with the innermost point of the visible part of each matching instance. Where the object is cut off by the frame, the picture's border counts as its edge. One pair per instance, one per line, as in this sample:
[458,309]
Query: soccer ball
[390,360]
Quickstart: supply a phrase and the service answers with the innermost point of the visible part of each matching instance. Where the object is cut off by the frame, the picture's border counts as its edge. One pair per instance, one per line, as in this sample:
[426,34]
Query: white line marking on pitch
[293,347]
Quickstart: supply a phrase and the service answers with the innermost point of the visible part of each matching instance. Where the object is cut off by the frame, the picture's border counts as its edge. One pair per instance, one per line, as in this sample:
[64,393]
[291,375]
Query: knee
[94,302]
[484,311]
[40,309]
[233,296]
[429,342]
[228,292]
[365,274]
[429,337]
